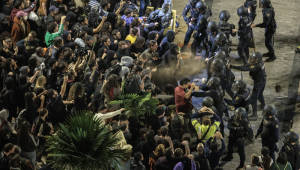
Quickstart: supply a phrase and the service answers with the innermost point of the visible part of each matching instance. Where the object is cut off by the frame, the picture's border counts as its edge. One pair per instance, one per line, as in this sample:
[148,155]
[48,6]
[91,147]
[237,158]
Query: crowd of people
[59,57]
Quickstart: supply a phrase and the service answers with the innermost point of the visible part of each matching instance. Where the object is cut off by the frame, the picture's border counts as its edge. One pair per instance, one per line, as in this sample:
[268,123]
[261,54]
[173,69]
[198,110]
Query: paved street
[279,72]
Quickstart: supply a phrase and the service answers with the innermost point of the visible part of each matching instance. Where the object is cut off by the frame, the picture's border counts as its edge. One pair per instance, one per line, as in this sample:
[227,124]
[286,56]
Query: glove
[256,136]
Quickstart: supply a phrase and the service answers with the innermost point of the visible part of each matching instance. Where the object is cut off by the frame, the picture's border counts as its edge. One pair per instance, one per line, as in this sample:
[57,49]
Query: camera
[80,52]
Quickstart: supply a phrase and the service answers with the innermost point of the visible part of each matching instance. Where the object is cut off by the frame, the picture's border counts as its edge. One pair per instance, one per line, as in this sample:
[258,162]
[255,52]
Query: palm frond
[83,142]
[136,105]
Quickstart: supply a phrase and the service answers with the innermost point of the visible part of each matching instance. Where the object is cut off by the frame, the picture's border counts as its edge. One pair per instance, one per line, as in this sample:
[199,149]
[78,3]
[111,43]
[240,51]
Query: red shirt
[182,104]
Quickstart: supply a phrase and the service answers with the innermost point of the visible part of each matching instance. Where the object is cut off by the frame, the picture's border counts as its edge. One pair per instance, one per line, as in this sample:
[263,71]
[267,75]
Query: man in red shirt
[183,99]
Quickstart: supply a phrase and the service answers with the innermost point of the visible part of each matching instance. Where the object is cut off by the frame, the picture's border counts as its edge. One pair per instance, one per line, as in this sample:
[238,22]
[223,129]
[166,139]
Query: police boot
[253,117]
[271,58]
[262,106]
[268,54]
[227,158]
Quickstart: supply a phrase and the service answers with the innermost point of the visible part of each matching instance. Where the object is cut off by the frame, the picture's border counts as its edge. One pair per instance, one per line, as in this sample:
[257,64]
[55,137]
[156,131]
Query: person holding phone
[105,4]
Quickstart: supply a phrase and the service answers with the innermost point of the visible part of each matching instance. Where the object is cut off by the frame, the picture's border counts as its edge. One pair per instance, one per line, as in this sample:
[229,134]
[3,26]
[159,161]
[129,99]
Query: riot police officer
[200,26]
[240,129]
[269,130]
[244,33]
[214,90]
[212,31]
[242,96]
[209,102]
[251,4]
[190,7]
[221,44]
[269,23]
[225,27]
[229,76]
[292,149]
[258,74]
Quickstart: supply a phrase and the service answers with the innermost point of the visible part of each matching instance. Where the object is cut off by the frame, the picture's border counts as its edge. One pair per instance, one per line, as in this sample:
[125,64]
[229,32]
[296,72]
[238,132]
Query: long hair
[135,22]
[24,135]
[39,82]
[112,81]
[28,98]
[105,30]
[159,150]
[139,42]
[76,91]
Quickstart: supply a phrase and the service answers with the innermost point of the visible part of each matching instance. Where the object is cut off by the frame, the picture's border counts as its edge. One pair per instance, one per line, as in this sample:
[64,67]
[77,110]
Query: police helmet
[217,65]
[239,113]
[257,56]
[208,102]
[220,55]
[212,27]
[220,39]
[264,3]
[214,82]
[269,110]
[242,11]
[201,6]
[224,15]
[292,136]
[193,2]
[239,85]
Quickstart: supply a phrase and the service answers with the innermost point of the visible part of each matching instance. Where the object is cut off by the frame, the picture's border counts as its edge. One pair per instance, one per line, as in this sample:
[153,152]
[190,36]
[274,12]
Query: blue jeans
[188,35]
[268,41]
[143,7]
[29,155]
[257,93]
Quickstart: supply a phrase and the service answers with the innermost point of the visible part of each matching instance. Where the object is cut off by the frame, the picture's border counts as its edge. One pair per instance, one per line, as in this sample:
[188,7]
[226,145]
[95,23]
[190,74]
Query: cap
[89,37]
[53,9]
[21,14]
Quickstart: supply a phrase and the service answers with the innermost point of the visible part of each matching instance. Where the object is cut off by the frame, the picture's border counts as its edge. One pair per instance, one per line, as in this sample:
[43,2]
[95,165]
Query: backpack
[113,70]
[131,86]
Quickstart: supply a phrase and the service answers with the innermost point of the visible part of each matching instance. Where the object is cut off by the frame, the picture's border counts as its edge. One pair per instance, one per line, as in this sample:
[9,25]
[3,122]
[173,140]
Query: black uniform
[252,4]
[293,154]
[240,99]
[270,26]
[239,131]
[200,27]
[269,129]
[244,34]
[227,28]
[258,74]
